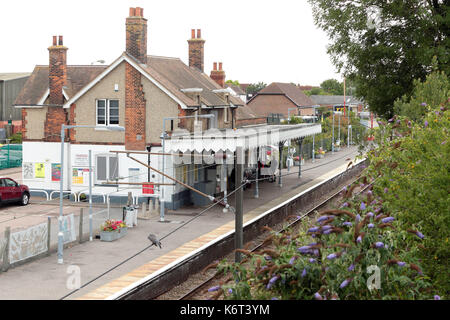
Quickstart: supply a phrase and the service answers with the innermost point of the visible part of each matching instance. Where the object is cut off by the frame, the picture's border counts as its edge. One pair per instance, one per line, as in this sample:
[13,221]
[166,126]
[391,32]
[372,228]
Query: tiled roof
[37,85]
[291,91]
[171,73]
[175,75]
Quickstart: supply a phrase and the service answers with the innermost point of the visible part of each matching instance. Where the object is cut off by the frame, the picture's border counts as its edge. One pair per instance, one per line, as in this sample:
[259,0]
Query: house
[137,91]
[282,99]
[10,86]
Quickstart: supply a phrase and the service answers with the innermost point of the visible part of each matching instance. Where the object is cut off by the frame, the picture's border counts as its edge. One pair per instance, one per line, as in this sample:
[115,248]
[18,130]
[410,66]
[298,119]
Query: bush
[434,91]
[348,246]
[414,178]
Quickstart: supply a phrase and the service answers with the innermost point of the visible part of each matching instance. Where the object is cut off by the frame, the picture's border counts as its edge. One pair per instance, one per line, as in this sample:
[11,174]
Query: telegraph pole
[239,233]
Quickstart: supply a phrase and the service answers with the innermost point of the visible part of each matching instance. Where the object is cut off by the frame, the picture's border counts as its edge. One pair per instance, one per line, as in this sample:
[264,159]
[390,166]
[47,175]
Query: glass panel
[113,168]
[10,183]
[114,112]
[101,112]
[101,168]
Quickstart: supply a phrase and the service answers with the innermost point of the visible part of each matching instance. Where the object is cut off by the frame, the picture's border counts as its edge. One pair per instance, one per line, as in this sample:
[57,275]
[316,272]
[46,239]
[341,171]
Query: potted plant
[320,153]
[112,230]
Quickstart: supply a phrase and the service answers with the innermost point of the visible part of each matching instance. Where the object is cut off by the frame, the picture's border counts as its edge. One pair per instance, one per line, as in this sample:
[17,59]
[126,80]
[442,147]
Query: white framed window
[107,112]
[107,167]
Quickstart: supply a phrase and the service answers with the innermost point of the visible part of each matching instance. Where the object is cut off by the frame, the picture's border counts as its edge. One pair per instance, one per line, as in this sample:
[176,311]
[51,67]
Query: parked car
[11,191]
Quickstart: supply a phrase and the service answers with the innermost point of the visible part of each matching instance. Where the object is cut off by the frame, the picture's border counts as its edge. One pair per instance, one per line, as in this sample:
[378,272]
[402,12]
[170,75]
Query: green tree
[434,91]
[255,87]
[333,87]
[233,82]
[383,45]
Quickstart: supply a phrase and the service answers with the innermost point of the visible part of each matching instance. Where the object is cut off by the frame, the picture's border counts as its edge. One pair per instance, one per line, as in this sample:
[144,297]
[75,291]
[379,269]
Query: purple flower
[274,298]
[359,239]
[436,297]
[313,229]
[326,227]
[332,256]
[420,235]
[401,263]
[272,281]
[328,231]
[370,225]
[362,206]
[369,192]
[312,260]
[386,190]
[391,119]
[351,268]
[304,273]
[316,252]
[379,244]
[370,214]
[444,142]
[304,249]
[388,219]
[358,217]
[344,283]
[345,204]
[426,124]
[230,291]
[423,104]
[323,218]
[317,296]
[292,260]
[215,288]
[347,223]
[344,189]
[268,258]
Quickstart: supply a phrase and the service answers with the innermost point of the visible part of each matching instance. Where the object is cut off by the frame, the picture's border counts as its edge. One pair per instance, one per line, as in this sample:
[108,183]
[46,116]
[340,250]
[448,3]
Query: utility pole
[239,218]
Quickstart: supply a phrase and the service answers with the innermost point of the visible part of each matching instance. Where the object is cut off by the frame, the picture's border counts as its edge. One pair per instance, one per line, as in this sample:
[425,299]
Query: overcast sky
[257,40]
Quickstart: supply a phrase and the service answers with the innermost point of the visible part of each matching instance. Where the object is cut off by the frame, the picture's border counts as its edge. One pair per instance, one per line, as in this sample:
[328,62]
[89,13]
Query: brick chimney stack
[136,35]
[196,50]
[57,72]
[218,75]
[57,79]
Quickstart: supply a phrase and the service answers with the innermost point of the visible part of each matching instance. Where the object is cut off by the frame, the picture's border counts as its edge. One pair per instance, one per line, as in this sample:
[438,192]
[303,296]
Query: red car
[11,191]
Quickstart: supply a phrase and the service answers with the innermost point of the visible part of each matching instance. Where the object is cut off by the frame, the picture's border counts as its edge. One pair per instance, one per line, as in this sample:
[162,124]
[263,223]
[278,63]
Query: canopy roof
[249,137]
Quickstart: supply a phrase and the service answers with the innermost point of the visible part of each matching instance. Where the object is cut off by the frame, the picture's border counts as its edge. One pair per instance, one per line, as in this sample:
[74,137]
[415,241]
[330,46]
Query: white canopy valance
[249,137]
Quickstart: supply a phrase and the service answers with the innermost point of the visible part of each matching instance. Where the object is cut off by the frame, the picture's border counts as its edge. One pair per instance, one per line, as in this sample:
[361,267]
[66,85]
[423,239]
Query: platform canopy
[247,137]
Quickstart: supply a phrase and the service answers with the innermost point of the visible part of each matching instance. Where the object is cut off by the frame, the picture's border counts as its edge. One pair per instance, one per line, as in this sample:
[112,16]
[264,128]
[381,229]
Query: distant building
[280,98]
[10,86]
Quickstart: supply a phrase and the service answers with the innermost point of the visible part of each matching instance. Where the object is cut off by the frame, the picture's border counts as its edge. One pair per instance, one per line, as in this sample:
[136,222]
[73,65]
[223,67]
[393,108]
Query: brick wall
[196,50]
[136,34]
[135,138]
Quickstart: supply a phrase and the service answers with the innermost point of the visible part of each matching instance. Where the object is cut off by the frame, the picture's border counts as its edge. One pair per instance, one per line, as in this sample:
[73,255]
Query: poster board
[39,170]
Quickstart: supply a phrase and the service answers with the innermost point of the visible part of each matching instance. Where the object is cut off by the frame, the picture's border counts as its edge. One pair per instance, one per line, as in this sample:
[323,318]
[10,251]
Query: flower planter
[113,235]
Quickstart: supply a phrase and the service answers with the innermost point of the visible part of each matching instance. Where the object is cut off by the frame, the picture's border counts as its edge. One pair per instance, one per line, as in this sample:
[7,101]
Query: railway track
[204,285]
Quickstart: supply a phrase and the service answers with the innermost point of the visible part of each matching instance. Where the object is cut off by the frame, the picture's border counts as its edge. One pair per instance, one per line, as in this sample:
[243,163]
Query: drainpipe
[149,149]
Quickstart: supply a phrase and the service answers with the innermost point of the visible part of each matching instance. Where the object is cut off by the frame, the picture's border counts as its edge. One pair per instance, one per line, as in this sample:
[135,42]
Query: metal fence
[10,156]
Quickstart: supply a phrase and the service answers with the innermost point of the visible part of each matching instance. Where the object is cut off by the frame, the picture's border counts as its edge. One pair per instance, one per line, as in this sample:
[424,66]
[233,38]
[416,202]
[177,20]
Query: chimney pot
[220,66]
[54,40]
[215,66]
[193,34]
[132,12]
[199,34]
[60,42]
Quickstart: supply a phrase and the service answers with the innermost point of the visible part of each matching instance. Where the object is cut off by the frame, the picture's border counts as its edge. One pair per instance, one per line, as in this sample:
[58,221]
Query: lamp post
[60,233]
[289,144]
[163,137]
